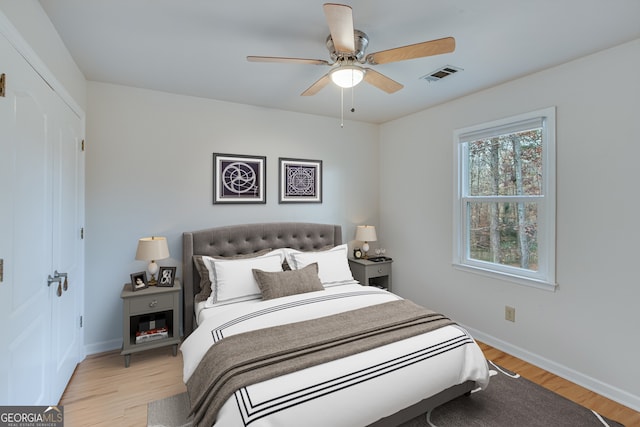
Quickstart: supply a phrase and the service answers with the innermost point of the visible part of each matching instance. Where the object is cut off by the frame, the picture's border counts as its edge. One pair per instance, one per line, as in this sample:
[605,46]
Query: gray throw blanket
[252,357]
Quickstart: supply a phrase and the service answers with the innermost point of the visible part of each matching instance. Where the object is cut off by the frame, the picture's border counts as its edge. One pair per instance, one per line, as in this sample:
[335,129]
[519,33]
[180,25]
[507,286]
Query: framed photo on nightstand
[166,276]
[139,281]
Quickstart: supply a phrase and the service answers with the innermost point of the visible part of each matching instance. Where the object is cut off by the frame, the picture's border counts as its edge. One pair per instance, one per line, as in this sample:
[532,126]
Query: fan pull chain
[353,91]
[341,107]
[353,108]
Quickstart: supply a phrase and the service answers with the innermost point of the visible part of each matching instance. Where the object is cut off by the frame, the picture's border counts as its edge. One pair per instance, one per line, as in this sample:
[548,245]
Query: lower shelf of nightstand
[135,348]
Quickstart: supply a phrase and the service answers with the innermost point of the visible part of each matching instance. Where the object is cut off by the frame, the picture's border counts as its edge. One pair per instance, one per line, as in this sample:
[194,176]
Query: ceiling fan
[347,52]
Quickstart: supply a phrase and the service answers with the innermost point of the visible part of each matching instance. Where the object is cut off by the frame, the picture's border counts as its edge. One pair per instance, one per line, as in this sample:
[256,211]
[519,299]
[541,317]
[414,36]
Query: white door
[32,315]
[68,248]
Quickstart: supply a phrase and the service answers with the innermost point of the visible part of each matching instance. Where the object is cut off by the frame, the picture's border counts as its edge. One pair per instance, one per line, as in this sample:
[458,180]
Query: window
[504,204]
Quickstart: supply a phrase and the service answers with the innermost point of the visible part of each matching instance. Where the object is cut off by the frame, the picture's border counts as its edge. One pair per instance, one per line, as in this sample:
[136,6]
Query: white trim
[503,126]
[514,278]
[614,393]
[11,33]
[103,346]
[545,276]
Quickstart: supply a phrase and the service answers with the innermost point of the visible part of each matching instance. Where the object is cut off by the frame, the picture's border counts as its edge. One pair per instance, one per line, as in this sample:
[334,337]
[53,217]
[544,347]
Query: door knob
[51,280]
[65,285]
[57,278]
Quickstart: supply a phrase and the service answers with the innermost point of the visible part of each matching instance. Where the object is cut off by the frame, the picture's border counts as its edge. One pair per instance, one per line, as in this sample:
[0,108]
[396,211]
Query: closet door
[68,249]
[25,361]
[31,359]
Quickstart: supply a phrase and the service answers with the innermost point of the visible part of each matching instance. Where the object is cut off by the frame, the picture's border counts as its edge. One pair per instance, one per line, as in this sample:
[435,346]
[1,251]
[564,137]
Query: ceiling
[199,47]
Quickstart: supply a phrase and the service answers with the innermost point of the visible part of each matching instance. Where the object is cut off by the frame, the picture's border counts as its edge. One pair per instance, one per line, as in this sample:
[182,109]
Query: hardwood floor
[102,392]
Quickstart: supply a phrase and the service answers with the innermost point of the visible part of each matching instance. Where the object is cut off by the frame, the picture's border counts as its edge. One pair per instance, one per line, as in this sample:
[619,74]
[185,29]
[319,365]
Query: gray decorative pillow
[205,283]
[291,282]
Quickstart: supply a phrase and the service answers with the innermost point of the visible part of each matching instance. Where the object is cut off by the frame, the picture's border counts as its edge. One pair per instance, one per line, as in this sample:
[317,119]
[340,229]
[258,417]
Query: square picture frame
[166,277]
[239,179]
[300,180]
[139,281]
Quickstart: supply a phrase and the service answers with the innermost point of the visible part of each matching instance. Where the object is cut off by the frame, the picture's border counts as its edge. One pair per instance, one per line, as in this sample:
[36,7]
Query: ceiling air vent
[441,73]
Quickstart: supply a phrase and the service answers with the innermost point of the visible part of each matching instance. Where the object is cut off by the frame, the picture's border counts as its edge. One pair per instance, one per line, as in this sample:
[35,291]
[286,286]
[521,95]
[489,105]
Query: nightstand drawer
[148,303]
[380,270]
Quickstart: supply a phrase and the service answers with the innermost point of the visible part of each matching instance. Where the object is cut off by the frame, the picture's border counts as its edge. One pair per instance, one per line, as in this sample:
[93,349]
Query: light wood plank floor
[102,392]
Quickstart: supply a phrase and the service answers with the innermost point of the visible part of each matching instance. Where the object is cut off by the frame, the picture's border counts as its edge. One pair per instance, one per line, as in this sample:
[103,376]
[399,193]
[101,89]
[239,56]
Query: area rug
[508,401]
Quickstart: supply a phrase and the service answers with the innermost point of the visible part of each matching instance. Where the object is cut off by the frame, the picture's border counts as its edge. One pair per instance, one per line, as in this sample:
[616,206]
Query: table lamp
[366,233]
[151,249]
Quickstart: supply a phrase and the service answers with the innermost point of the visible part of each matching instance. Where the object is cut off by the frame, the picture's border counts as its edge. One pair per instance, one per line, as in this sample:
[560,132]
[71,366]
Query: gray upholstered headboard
[244,239]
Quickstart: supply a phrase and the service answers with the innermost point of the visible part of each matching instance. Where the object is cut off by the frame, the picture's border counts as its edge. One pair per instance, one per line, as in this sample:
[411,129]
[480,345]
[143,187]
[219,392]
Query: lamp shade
[152,248]
[366,233]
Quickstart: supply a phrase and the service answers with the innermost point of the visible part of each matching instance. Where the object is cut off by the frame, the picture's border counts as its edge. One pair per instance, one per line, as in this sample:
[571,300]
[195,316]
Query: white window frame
[544,277]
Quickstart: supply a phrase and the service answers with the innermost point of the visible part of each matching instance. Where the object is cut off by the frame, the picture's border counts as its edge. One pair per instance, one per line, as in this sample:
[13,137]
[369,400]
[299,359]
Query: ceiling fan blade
[287,60]
[340,21]
[418,50]
[381,81]
[319,84]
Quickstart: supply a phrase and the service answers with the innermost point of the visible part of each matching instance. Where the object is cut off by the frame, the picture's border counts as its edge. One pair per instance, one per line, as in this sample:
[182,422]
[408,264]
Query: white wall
[33,24]
[588,328]
[149,172]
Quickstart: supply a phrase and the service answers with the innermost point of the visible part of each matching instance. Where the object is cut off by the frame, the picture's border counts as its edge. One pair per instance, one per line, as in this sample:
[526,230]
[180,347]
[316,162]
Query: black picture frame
[166,277]
[300,180]
[139,281]
[239,179]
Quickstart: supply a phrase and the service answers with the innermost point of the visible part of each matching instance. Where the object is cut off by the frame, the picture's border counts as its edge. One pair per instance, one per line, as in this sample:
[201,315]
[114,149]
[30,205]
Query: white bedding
[354,391]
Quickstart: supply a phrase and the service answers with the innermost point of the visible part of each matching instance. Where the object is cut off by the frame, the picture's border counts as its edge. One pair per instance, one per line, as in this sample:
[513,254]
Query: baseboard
[622,397]
[103,346]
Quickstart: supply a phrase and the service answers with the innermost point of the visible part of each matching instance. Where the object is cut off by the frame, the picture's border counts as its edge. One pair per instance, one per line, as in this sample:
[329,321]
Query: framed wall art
[300,181]
[239,179]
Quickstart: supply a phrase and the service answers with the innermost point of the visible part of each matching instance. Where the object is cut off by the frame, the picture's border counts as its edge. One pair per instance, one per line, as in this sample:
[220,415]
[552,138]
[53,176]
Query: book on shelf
[152,335]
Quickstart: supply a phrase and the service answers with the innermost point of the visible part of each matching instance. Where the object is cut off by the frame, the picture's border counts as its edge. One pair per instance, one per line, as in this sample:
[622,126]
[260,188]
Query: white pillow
[287,252]
[333,266]
[233,280]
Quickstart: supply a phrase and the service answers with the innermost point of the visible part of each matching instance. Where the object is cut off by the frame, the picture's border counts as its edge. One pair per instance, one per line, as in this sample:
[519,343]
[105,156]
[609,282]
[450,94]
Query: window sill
[513,278]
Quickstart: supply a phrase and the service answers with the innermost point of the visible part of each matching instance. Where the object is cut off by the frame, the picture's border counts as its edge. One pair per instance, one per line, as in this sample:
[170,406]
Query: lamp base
[153,269]
[365,249]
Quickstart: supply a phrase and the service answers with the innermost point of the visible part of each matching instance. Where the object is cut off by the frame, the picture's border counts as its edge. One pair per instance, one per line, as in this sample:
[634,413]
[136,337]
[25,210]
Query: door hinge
[82,233]
[2,81]
[82,145]
[1,269]
[81,321]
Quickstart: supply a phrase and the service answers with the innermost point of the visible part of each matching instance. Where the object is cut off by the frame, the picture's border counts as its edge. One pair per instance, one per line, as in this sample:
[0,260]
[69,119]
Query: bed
[387,381]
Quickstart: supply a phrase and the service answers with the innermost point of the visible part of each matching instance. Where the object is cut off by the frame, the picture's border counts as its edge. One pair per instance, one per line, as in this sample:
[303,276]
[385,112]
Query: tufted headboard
[245,239]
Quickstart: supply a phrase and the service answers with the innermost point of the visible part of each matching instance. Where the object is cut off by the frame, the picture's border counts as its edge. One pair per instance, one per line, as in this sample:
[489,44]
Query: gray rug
[169,412]
[508,401]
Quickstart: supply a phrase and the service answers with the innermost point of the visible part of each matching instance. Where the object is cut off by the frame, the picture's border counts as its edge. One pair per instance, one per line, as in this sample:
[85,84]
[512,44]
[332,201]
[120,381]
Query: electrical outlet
[509,313]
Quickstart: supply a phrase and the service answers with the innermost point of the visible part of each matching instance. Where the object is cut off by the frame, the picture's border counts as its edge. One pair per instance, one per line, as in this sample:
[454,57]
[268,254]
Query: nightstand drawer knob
[380,270]
[153,303]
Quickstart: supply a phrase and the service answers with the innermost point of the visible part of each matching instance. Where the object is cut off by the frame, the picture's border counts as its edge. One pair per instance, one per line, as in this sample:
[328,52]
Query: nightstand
[372,273]
[151,308]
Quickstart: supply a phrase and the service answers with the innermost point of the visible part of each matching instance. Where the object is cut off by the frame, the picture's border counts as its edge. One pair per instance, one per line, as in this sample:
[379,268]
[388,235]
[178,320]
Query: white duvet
[354,391]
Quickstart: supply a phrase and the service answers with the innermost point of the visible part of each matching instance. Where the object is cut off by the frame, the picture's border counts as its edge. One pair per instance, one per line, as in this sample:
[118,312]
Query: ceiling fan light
[347,76]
